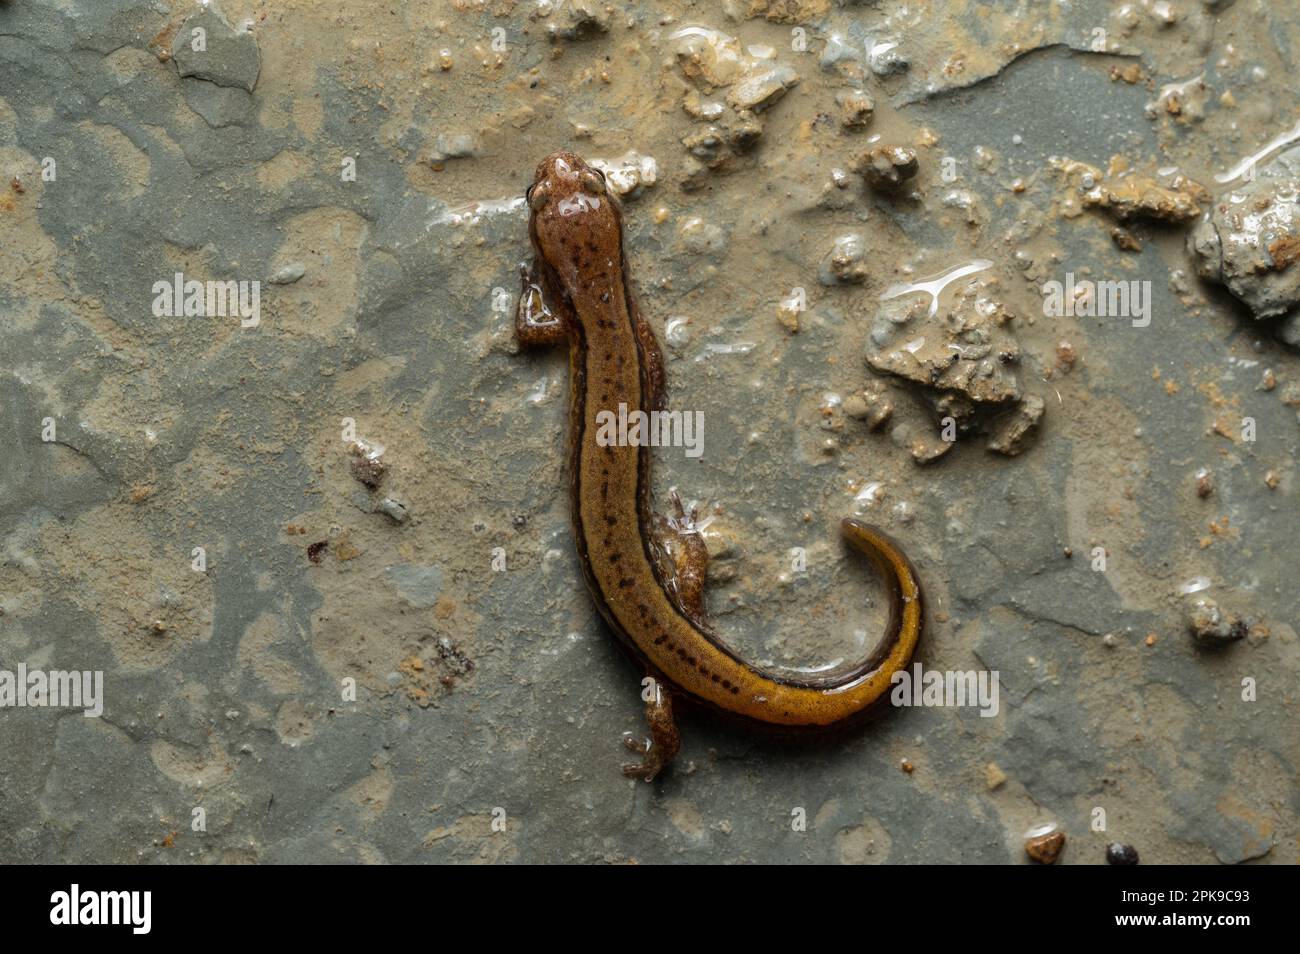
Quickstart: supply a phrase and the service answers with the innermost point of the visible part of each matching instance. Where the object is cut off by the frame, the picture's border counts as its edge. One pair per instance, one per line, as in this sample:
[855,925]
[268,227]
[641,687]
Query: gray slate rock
[228,57]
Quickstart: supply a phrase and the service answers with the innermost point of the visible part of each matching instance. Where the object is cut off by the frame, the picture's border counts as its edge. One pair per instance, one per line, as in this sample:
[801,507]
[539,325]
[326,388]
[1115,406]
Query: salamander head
[571,207]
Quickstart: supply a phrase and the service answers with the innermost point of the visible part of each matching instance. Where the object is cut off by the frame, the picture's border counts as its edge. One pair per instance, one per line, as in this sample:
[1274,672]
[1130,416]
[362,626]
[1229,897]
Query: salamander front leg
[660,747]
[541,317]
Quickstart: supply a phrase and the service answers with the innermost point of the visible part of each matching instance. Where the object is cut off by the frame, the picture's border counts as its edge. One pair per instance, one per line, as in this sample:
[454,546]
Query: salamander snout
[563,175]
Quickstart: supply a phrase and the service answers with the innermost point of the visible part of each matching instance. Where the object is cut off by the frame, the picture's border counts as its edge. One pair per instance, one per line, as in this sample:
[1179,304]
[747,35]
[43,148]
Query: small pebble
[394,509]
[884,58]
[453,146]
[1125,240]
[871,405]
[629,173]
[856,108]
[1118,854]
[787,313]
[762,87]
[288,274]
[1210,626]
[369,472]
[886,168]
[1046,848]
[1204,483]
[1066,355]
[366,466]
[845,263]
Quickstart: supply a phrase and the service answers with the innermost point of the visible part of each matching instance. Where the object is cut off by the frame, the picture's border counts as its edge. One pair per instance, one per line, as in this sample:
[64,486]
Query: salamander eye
[593,181]
[538,194]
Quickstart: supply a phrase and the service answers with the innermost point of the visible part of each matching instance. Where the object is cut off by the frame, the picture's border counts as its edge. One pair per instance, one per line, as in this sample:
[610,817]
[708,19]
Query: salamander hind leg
[683,557]
[659,748]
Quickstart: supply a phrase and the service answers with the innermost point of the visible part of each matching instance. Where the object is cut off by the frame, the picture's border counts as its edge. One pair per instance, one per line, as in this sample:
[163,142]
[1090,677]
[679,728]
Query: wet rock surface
[387,156]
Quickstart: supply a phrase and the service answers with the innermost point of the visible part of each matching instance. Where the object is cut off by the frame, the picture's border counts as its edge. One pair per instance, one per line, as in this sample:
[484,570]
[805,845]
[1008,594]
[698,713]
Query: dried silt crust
[964,357]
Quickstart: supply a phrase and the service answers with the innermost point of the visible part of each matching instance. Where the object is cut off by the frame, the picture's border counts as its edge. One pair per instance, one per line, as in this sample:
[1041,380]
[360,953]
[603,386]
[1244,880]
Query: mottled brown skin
[647,579]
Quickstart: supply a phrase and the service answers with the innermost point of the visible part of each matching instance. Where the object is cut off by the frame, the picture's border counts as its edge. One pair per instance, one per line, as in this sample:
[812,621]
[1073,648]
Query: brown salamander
[647,576]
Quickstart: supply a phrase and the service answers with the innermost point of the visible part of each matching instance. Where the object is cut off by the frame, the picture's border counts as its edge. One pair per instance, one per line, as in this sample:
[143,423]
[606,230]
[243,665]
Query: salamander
[646,573]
